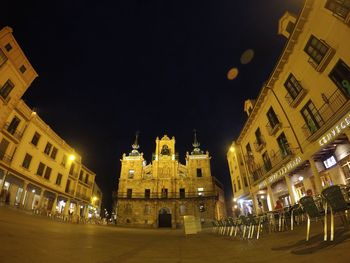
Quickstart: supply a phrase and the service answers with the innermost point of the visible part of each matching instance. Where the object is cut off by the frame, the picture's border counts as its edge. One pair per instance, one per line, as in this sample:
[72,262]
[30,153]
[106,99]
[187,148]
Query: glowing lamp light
[72,157]
[234,199]
[232,149]
[235,206]
[300,178]
[262,197]
[33,191]
[94,198]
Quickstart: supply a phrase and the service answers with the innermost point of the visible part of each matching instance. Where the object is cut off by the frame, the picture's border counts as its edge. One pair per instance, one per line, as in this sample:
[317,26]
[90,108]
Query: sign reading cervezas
[335,131]
[281,172]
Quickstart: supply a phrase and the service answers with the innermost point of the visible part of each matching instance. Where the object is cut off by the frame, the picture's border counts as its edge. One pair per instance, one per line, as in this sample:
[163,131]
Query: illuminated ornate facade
[296,139]
[159,194]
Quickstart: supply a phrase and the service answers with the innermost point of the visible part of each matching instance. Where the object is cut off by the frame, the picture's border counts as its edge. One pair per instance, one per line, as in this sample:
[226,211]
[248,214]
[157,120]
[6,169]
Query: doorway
[164,218]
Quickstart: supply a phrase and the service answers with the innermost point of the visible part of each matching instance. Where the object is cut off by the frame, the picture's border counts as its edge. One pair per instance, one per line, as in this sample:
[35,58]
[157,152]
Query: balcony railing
[272,128]
[331,106]
[14,132]
[294,102]
[259,144]
[5,158]
[171,195]
[274,161]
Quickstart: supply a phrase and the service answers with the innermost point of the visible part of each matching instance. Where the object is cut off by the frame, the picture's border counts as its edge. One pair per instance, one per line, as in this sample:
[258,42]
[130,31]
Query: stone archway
[164,217]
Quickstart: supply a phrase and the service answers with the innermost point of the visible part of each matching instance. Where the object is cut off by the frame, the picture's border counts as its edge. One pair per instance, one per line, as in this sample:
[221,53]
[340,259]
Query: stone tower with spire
[160,193]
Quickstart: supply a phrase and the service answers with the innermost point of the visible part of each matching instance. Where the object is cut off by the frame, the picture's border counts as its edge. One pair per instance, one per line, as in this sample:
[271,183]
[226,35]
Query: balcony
[294,102]
[259,144]
[14,133]
[171,195]
[74,175]
[5,158]
[327,112]
[275,161]
[272,128]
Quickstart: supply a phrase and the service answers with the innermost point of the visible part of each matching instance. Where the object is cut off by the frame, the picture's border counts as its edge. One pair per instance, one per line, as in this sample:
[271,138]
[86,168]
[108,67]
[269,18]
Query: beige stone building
[16,74]
[39,170]
[96,200]
[160,193]
[296,138]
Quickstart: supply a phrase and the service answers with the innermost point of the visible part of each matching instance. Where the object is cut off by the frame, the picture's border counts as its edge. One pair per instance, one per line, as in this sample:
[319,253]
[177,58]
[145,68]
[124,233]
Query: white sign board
[190,224]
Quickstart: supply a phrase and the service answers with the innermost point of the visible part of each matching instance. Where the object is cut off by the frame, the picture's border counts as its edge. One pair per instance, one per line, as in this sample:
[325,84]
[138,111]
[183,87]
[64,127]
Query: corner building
[159,194]
[295,141]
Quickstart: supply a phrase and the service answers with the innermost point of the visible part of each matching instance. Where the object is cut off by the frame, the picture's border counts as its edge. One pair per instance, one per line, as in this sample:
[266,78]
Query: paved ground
[27,238]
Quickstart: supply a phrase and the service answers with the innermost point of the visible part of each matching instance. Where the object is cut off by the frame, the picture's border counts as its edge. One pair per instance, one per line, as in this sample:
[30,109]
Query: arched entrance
[164,217]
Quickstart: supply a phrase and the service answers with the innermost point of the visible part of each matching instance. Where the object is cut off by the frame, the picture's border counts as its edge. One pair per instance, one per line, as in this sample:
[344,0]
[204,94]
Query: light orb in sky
[232,73]
[247,56]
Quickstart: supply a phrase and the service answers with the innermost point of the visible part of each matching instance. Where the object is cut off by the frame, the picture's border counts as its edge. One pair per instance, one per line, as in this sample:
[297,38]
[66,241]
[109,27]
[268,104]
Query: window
[316,49]
[249,149]
[283,145]
[64,160]
[239,183]
[339,7]
[129,193]
[26,161]
[13,125]
[81,175]
[58,179]
[54,153]
[86,178]
[131,174]
[340,75]
[182,193]
[311,116]
[147,193]
[200,191]
[290,27]
[67,186]
[6,89]
[293,86]
[3,57]
[234,186]
[245,181]
[199,172]
[48,148]
[22,69]
[267,162]
[41,169]
[272,117]
[3,147]
[35,139]
[258,136]
[164,193]
[71,169]
[8,47]
[47,173]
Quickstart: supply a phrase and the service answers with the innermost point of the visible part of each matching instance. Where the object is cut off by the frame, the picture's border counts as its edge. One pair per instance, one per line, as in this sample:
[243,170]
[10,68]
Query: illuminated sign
[330,162]
[281,172]
[335,131]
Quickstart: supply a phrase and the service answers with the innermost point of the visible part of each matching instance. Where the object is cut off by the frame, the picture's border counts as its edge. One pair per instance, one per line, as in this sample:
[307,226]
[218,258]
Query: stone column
[316,175]
[86,211]
[41,198]
[66,208]
[21,205]
[255,203]
[271,199]
[53,209]
[290,188]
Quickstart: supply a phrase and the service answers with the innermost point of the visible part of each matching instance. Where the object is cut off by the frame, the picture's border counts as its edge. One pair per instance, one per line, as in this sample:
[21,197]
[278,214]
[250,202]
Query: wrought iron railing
[331,106]
[170,195]
[272,128]
[293,102]
[259,144]
[5,158]
[14,132]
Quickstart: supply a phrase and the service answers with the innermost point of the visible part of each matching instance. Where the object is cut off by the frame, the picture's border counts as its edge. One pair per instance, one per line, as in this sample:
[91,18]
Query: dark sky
[109,68]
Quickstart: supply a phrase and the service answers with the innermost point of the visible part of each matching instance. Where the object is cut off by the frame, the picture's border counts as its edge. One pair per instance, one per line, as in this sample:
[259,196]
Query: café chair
[336,201]
[313,213]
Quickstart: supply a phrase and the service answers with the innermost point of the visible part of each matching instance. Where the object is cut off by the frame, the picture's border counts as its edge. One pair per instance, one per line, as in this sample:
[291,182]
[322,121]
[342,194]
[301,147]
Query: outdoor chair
[245,223]
[312,212]
[255,221]
[296,213]
[337,202]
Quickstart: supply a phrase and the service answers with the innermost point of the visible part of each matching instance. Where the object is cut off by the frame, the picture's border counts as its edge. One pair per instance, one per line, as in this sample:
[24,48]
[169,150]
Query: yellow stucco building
[296,138]
[38,170]
[160,193]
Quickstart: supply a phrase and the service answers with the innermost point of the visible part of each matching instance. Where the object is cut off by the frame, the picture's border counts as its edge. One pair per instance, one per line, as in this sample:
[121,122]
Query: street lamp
[72,157]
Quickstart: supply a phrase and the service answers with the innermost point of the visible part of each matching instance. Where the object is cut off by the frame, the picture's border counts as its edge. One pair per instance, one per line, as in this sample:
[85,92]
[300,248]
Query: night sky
[110,68]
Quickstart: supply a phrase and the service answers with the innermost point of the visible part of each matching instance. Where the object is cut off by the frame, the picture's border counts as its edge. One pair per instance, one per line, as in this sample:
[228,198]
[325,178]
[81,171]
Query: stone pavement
[28,238]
